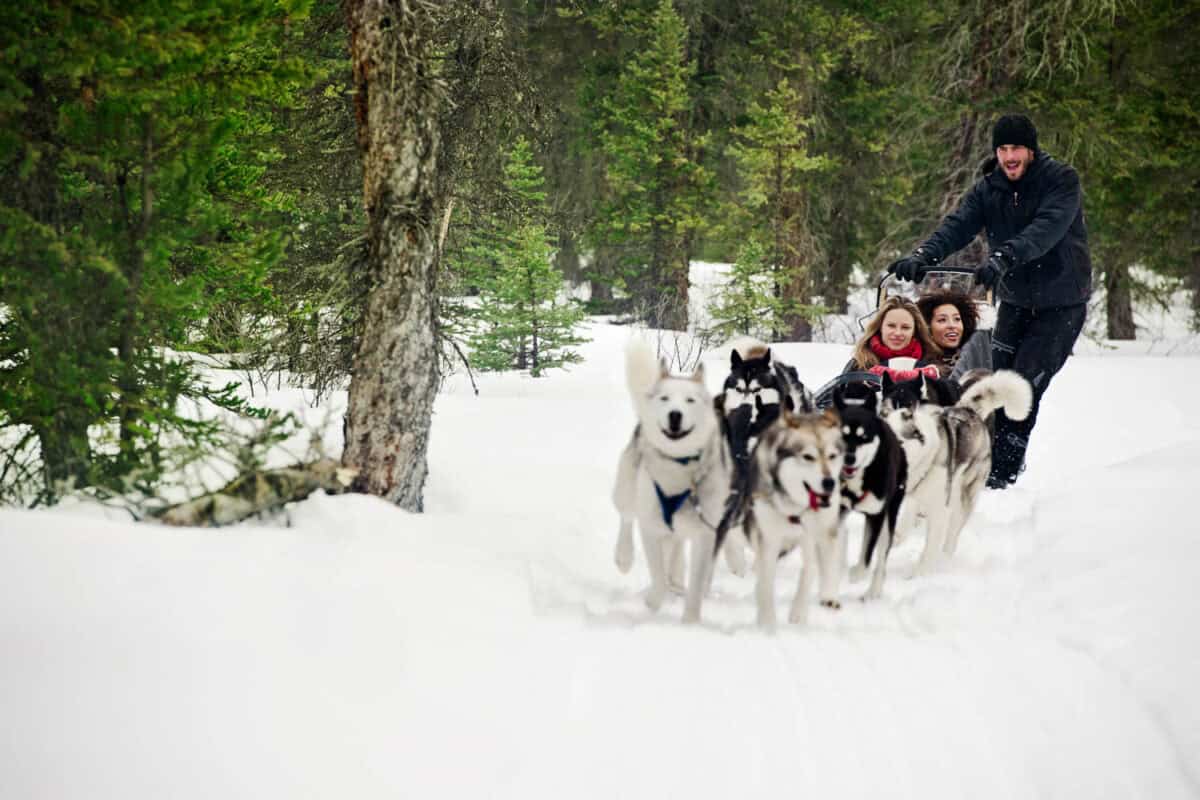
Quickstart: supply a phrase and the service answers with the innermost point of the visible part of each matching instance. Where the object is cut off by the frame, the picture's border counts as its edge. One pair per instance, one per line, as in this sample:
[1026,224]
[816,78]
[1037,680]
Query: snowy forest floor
[489,647]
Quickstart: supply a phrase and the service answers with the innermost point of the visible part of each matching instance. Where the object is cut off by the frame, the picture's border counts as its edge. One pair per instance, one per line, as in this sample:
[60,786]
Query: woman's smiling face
[897,329]
[946,327]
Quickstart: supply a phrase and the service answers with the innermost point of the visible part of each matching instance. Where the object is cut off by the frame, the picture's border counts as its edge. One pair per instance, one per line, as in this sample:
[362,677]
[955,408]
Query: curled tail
[1003,389]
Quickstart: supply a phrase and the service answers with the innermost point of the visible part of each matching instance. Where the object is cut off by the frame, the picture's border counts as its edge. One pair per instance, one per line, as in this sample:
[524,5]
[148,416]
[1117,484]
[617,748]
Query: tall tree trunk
[395,366]
[1119,300]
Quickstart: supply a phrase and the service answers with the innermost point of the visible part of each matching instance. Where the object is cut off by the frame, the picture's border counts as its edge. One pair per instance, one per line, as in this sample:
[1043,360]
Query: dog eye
[691,399]
[664,398]
[809,457]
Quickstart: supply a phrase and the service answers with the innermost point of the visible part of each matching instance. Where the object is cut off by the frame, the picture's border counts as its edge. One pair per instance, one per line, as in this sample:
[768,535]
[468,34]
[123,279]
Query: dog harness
[671,503]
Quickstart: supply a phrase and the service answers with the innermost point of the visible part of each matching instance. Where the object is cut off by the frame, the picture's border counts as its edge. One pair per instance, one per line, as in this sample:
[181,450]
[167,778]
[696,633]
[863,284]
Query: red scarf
[911,350]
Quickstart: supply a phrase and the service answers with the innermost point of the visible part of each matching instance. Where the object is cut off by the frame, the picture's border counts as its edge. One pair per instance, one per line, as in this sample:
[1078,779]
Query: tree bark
[1119,300]
[395,375]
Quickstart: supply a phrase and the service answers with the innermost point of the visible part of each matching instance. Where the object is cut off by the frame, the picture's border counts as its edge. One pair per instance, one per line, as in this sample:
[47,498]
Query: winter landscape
[490,648]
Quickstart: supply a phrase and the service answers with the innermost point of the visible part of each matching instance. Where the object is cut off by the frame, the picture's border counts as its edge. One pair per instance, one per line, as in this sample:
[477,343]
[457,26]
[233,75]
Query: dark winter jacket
[1037,222]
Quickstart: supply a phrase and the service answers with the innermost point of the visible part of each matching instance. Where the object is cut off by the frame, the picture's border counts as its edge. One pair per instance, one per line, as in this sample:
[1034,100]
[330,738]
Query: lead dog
[673,477]
[790,499]
[949,451]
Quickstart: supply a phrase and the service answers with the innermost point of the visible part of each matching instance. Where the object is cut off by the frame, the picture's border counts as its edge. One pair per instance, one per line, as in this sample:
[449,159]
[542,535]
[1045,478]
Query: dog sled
[941,279]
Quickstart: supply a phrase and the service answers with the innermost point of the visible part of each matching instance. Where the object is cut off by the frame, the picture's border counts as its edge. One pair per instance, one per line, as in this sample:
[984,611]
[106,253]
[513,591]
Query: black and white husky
[673,477]
[755,391]
[789,500]
[949,451]
[874,472]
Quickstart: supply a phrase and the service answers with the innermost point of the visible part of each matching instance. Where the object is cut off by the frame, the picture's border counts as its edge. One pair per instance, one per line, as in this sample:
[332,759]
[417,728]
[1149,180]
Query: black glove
[990,273]
[910,268]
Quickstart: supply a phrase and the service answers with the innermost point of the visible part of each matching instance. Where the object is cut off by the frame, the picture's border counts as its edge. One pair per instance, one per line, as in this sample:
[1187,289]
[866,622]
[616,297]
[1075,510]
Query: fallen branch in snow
[259,492]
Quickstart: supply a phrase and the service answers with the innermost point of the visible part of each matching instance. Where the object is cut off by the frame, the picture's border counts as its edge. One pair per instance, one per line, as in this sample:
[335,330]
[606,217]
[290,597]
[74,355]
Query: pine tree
[133,209]
[776,171]
[749,302]
[520,322]
[656,190]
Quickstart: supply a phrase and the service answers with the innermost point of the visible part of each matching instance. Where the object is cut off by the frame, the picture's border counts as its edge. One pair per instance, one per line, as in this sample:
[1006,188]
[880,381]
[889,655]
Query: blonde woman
[897,331]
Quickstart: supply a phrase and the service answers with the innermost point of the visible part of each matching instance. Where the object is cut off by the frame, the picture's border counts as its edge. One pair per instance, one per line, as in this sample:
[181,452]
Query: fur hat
[1014,129]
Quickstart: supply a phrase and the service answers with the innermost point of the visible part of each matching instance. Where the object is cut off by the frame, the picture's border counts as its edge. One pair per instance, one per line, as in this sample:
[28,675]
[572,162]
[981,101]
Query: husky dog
[874,471]
[790,498]
[673,476]
[921,389]
[754,392]
[949,454]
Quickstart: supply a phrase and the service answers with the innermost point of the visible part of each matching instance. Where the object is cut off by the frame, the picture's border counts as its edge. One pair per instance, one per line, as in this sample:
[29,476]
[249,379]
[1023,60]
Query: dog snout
[675,420]
[828,485]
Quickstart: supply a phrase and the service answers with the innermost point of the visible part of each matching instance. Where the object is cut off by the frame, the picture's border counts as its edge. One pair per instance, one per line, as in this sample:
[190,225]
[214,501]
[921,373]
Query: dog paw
[833,604]
[654,599]
[624,558]
[798,616]
[691,617]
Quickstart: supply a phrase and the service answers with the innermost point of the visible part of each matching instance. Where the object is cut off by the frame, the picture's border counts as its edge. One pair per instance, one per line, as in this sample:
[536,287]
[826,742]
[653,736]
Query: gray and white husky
[790,499]
[949,450]
[673,477]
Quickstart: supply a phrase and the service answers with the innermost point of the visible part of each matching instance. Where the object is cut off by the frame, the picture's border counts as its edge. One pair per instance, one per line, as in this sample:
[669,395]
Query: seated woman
[953,321]
[898,330]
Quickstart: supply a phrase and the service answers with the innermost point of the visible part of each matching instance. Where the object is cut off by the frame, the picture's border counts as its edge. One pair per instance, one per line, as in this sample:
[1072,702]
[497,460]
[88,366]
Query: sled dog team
[759,467]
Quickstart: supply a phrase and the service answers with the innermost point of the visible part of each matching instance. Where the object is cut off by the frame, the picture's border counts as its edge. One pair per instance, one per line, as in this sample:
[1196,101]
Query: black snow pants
[1035,343]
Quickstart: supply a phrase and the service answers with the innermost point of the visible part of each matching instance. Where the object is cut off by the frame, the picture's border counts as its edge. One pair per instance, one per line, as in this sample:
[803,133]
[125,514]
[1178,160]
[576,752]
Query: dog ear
[735,359]
[698,375]
[832,417]
[839,398]
[887,383]
[767,357]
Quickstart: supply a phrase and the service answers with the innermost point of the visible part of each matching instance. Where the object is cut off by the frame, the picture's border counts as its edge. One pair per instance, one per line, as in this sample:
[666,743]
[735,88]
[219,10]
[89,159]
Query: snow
[489,647]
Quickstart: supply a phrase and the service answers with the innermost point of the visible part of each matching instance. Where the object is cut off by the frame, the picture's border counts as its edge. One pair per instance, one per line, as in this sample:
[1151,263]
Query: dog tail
[1003,389]
[735,503]
[642,367]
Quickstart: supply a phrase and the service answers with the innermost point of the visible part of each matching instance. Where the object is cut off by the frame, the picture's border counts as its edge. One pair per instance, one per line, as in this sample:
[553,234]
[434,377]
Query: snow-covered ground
[489,647]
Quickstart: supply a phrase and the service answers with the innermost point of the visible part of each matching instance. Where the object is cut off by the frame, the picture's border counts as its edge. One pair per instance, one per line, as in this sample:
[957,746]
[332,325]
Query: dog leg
[673,555]
[882,547]
[935,540]
[859,570]
[623,554]
[799,612]
[653,546]
[625,499]
[702,540]
[764,564]
[735,555]
[831,555]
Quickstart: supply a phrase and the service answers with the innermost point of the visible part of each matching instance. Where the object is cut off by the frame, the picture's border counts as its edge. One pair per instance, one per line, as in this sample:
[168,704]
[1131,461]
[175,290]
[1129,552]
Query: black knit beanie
[1014,129]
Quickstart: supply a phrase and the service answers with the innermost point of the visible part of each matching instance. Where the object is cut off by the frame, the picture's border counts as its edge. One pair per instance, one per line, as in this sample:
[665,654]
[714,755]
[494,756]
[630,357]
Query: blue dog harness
[670,503]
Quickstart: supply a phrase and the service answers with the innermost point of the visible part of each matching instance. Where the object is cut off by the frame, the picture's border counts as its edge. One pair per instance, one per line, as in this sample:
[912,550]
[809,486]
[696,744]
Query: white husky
[673,476]
[949,455]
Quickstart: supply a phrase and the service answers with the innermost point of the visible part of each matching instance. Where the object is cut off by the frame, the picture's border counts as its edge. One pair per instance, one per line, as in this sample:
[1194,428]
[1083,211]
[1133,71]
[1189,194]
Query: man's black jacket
[1037,221]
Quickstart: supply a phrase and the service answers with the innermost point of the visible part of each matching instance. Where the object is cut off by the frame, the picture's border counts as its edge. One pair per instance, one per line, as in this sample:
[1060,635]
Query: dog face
[903,394]
[752,383]
[802,454]
[677,413]
[861,427]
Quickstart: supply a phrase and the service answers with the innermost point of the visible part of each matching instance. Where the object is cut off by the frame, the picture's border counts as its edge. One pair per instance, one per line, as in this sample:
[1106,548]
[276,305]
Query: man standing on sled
[1038,264]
